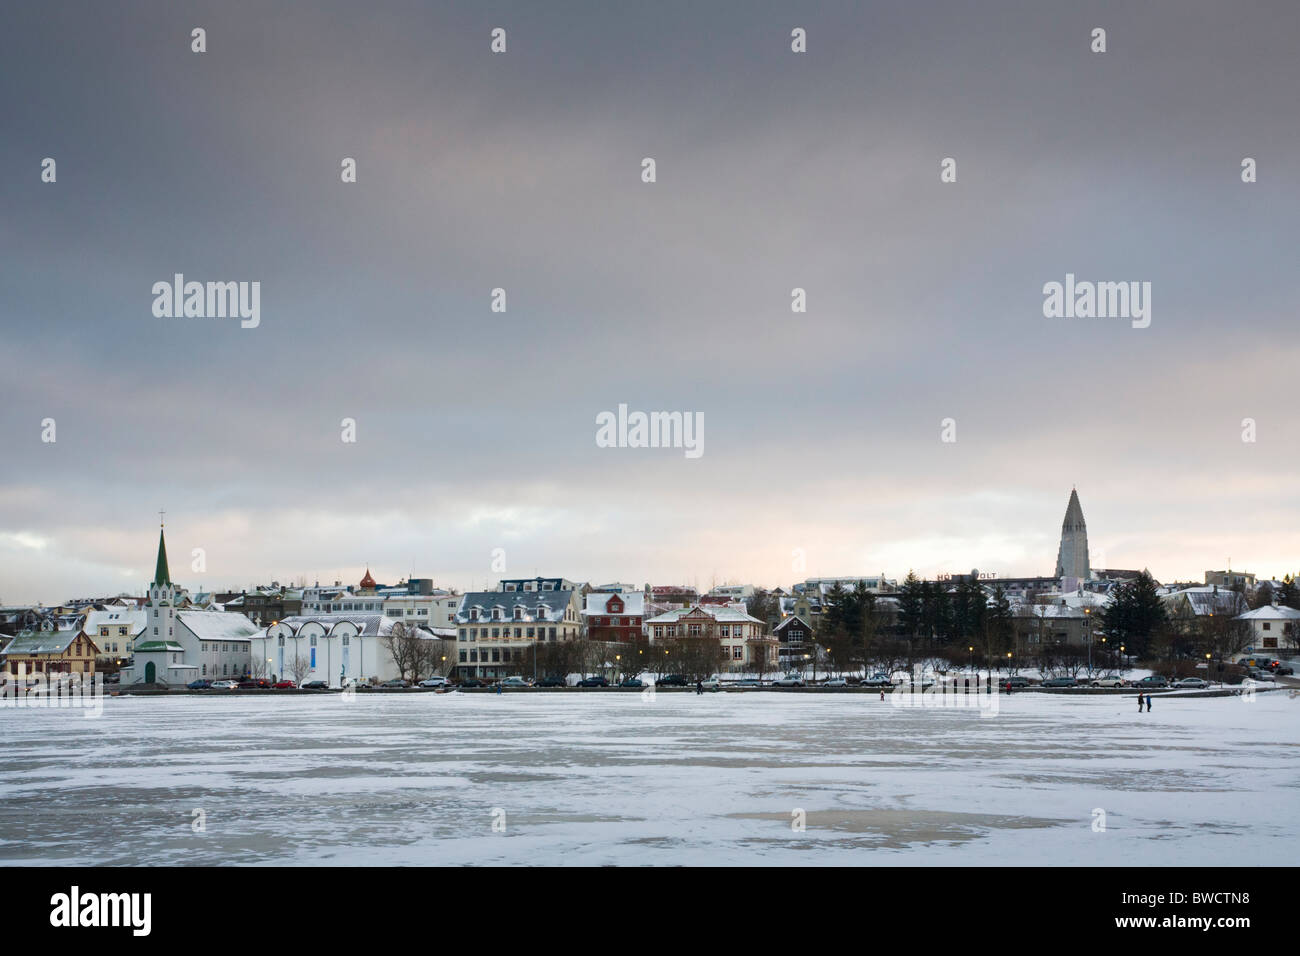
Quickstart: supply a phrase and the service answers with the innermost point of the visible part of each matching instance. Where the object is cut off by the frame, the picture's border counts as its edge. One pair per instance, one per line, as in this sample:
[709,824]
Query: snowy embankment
[669,778]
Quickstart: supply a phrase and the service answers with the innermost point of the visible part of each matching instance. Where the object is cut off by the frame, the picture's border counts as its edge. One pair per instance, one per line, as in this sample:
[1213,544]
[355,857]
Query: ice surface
[609,777]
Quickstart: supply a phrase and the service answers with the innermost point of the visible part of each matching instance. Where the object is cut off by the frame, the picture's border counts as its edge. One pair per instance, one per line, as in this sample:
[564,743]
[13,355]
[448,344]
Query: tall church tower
[160,608]
[1072,559]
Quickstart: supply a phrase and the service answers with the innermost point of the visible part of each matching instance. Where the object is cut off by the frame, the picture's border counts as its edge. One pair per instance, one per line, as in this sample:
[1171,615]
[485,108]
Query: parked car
[593,682]
[472,682]
[632,682]
[434,682]
[315,685]
[789,680]
[836,682]
[224,685]
[199,684]
[1283,670]
[395,682]
[552,682]
[1263,677]
[254,684]
[748,682]
[671,680]
[514,682]
[711,683]
[1015,682]
[878,680]
[1155,680]
[1060,682]
[1191,682]
[284,685]
[1110,680]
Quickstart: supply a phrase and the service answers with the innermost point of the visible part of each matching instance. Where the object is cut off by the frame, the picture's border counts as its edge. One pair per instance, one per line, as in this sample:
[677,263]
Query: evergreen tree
[911,605]
[1135,616]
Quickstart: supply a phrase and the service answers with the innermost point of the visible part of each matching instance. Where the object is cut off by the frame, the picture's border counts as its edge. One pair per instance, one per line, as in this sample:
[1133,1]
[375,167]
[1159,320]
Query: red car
[284,685]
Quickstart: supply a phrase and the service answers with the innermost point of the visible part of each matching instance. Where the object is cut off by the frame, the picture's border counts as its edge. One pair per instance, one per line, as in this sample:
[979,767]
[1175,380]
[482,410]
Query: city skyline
[349,576]
[476,430]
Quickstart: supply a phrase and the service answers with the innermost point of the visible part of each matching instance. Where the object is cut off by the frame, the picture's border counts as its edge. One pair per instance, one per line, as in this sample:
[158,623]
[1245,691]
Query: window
[103,631]
[313,640]
[462,656]
[530,631]
[346,640]
[279,641]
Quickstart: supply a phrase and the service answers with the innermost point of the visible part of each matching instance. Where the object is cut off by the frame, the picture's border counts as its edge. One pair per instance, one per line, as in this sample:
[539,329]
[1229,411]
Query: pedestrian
[1139,702]
[1148,703]
[882,693]
[699,687]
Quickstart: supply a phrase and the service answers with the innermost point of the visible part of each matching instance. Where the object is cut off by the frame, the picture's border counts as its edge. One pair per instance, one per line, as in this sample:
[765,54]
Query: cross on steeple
[160,518]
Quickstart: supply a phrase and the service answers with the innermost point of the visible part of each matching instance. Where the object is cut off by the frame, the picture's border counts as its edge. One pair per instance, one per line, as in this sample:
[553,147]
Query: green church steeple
[161,576]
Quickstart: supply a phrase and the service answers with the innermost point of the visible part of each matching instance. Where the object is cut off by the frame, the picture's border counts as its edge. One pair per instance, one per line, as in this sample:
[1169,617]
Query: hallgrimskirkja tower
[1072,559]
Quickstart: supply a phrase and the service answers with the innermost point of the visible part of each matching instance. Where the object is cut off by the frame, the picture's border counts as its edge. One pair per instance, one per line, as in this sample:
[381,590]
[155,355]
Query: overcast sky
[476,430]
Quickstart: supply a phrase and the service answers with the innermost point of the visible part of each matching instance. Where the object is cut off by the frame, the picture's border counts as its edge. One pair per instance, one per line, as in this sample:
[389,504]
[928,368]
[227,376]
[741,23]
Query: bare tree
[299,668]
[409,649]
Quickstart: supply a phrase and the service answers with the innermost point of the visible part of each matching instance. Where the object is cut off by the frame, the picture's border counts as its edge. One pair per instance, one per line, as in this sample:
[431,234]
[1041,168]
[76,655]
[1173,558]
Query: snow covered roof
[1209,600]
[633,603]
[133,620]
[367,625]
[552,605]
[722,613]
[218,625]
[1271,613]
[40,642]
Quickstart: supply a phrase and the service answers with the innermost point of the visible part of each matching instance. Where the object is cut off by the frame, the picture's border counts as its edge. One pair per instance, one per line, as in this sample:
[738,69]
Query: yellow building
[50,652]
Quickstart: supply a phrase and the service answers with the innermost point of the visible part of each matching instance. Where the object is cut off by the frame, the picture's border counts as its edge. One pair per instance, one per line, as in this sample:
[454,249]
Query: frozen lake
[595,778]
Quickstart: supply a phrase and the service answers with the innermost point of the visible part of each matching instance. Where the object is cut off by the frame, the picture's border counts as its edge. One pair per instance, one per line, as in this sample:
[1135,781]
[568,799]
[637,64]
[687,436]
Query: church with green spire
[181,643]
[157,652]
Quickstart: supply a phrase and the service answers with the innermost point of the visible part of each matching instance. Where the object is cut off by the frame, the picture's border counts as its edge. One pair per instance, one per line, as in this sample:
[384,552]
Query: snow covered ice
[596,778]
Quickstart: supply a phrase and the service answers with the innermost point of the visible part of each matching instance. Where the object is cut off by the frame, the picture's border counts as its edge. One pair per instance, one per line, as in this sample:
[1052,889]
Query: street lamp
[1087,626]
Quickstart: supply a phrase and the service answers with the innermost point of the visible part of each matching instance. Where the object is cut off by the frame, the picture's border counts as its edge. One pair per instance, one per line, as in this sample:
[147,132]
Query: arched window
[281,640]
[346,640]
[313,640]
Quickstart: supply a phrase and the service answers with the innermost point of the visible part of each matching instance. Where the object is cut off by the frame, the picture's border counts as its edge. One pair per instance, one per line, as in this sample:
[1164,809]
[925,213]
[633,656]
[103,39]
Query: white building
[1273,628]
[114,630]
[177,646]
[495,628]
[334,648]
[727,623]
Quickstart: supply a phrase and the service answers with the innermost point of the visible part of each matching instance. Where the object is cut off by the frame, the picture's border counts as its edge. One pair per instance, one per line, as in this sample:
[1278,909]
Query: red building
[616,617]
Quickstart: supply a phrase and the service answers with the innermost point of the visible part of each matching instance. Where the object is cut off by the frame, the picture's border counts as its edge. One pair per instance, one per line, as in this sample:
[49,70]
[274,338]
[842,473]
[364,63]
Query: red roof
[367,581]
